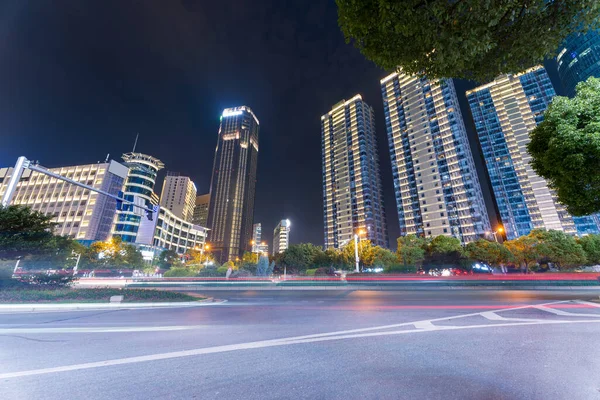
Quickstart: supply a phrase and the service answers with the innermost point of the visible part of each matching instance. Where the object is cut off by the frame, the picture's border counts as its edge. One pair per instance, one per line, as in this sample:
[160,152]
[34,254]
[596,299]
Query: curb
[25,308]
[379,288]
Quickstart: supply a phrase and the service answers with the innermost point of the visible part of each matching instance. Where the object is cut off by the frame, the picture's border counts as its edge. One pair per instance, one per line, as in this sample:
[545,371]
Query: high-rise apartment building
[578,59]
[505,111]
[78,213]
[256,236]
[179,195]
[352,194]
[233,184]
[140,183]
[435,183]
[201,209]
[281,236]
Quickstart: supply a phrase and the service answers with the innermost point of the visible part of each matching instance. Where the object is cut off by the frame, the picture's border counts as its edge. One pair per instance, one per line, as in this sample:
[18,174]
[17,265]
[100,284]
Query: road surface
[439,344]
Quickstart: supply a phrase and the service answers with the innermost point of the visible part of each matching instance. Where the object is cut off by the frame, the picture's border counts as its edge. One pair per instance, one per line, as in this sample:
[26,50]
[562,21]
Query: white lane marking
[108,329]
[424,325]
[492,316]
[564,313]
[262,344]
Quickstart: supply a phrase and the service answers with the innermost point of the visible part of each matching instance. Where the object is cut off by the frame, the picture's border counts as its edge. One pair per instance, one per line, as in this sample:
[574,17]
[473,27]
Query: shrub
[402,269]
[324,271]
[241,273]
[210,272]
[179,273]
[311,272]
[50,280]
[222,271]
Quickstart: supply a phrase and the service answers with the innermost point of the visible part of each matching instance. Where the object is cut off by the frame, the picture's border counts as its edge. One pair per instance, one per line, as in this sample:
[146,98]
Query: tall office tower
[352,194]
[179,195]
[256,237]
[233,184]
[77,212]
[201,209]
[281,236]
[436,186]
[578,59]
[140,183]
[505,111]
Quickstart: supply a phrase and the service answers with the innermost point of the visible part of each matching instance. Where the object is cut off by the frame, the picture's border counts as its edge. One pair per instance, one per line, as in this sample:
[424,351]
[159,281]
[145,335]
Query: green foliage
[411,250]
[310,272]
[299,257]
[25,232]
[222,270]
[366,253]
[591,246]
[250,258]
[470,39]
[169,259]
[384,258]
[211,272]
[113,254]
[179,272]
[565,148]
[492,253]
[49,280]
[560,248]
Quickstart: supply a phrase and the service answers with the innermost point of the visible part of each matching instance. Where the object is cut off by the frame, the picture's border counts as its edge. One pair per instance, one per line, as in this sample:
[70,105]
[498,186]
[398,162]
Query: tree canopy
[471,39]
[492,253]
[26,232]
[565,148]
[411,250]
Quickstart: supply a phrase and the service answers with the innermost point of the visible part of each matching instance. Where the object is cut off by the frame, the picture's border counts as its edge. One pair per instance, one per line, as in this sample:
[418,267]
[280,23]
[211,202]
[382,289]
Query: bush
[179,273]
[240,273]
[311,272]
[222,271]
[401,269]
[324,271]
[51,280]
[210,272]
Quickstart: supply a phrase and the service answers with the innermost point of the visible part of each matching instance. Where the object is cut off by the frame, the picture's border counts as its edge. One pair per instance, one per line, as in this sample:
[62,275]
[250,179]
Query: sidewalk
[47,307]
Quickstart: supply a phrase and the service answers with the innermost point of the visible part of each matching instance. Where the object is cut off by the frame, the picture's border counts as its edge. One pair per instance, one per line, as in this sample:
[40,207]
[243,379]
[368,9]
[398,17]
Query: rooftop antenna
[107,156]
[135,143]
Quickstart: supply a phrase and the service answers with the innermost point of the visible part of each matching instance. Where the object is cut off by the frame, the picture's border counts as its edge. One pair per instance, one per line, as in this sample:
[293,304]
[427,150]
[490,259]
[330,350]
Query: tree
[113,254]
[444,250]
[565,148]
[591,246]
[169,259]
[366,253]
[384,258]
[25,232]
[492,253]
[469,39]
[329,258]
[526,250]
[197,260]
[411,250]
[560,248]
[250,258]
[298,257]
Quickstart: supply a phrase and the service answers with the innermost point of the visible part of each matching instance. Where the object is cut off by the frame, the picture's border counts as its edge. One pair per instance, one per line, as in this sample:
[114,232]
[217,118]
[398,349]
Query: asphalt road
[439,344]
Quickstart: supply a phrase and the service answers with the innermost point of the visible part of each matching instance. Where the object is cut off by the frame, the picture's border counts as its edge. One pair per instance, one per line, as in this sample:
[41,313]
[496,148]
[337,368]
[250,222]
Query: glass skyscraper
[435,183]
[352,194]
[505,111]
[578,59]
[140,183]
[233,184]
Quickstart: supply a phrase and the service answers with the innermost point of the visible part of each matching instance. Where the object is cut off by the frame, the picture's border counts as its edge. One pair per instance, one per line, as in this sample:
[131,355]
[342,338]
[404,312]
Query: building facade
[201,210]
[79,213]
[178,195]
[281,236]
[233,184]
[578,59]
[140,183]
[435,182]
[167,231]
[256,237]
[504,112]
[352,194]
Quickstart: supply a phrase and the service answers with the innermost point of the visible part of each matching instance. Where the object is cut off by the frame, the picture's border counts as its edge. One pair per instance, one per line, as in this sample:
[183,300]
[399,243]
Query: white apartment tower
[178,195]
[352,195]
[435,183]
[281,236]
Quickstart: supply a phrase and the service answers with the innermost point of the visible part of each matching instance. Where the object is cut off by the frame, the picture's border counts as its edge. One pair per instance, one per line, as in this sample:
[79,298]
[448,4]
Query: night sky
[79,79]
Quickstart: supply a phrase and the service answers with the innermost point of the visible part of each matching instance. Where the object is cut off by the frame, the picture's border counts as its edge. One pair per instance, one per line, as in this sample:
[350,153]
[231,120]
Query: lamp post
[360,232]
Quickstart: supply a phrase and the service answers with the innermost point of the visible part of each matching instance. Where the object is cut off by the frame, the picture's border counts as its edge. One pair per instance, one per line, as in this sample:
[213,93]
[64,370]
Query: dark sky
[79,79]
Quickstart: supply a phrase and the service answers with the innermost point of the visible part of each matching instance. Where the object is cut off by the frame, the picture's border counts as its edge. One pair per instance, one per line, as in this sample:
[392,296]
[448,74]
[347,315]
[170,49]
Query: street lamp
[357,260]
[499,230]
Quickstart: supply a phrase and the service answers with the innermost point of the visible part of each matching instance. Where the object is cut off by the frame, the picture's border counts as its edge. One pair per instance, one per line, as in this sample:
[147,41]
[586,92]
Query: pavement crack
[79,317]
[34,340]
